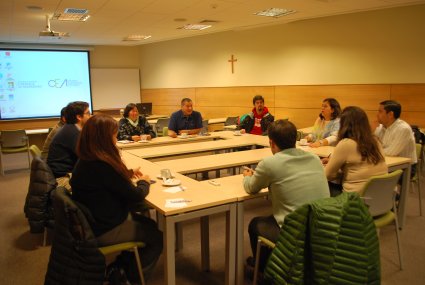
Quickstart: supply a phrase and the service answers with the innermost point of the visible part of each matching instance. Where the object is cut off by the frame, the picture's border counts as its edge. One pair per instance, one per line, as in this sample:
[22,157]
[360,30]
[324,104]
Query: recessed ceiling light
[72,14]
[275,12]
[195,27]
[134,38]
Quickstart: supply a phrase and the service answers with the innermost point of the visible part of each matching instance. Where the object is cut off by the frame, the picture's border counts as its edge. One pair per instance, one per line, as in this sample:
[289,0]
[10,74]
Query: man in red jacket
[258,120]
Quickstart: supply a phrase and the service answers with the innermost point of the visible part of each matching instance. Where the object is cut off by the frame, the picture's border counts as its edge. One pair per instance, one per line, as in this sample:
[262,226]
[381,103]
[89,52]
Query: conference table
[191,200]
[230,195]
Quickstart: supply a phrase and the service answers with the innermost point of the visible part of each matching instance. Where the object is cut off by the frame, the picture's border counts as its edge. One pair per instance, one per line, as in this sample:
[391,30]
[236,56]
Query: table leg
[205,243]
[230,244]
[403,196]
[240,244]
[169,251]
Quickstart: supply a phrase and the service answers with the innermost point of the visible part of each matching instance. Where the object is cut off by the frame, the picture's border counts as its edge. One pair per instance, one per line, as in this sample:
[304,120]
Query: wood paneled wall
[298,102]
[301,103]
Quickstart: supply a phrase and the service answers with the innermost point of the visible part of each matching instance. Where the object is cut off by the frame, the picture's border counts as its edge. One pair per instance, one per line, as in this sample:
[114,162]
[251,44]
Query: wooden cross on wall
[232,60]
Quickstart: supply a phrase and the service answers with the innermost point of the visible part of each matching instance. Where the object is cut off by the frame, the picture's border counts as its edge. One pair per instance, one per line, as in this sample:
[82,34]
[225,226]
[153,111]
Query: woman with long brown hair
[358,154]
[103,184]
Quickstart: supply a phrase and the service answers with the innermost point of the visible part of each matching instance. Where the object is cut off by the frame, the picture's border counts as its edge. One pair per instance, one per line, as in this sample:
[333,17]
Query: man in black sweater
[62,156]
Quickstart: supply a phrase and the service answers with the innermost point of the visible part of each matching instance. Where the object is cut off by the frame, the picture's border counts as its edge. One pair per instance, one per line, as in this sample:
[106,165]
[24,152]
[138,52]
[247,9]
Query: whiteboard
[114,88]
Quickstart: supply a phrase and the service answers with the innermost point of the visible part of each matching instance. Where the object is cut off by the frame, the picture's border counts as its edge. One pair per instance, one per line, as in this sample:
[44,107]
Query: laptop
[145,109]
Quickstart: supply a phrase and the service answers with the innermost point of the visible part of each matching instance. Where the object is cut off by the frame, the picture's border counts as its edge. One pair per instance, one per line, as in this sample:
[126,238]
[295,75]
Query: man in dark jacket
[62,156]
[258,120]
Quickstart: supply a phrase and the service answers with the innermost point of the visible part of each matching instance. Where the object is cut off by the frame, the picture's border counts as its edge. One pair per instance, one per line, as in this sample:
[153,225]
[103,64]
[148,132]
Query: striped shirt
[398,140]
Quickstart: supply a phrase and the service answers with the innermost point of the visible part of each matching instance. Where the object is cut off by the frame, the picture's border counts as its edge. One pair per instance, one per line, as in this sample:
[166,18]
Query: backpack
[419,136]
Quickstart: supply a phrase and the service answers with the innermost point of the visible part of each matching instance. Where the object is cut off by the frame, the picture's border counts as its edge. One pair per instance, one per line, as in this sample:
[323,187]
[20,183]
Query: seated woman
[103,184]
[357,156]
[326,127]
[133,126]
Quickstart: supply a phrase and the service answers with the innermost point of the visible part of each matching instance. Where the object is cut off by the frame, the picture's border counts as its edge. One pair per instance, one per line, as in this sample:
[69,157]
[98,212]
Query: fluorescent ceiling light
[195,27]
[275,12]
[136,38]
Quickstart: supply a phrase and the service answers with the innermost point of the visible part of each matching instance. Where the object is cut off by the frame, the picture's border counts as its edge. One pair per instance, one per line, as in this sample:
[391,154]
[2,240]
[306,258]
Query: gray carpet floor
[24,261]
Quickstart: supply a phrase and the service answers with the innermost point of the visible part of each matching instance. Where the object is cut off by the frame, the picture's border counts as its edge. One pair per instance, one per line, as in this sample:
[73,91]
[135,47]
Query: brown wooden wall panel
[410,96]
[165,110]
[414,118]
[28,124]
[164,97]
[222,112]
[302,118]
[365,96]
[234,96]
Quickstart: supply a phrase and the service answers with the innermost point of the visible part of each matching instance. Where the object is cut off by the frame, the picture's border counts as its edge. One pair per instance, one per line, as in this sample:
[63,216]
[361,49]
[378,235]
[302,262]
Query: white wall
[385,46]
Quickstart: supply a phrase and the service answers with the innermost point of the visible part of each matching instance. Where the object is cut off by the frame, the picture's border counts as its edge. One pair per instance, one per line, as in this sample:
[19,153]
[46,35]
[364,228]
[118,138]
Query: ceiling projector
[47,33]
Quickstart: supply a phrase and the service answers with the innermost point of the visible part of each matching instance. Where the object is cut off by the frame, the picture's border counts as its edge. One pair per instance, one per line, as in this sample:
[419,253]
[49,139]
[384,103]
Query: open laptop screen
[144,108]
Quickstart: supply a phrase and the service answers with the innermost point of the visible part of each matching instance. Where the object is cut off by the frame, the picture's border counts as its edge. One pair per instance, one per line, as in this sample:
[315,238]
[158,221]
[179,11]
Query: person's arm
[124,187]
[147,128]
[311,137]
[124,131]
[268,119]
[338,159]
[172,126]
[256,180]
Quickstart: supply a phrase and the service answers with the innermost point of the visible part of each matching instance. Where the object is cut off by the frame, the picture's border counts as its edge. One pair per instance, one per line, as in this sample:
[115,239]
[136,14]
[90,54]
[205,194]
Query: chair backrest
[38,205]
[378,192]
[160,124]
[75,257]
[329,241]
[35,151]
[231,121]
[204,126]
[13,138]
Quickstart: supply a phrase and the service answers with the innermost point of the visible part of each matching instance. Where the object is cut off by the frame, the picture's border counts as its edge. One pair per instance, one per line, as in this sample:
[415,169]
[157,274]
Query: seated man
[185,121]
[395,134]
[258,120]
[294,177]
[62,155]
[52,133]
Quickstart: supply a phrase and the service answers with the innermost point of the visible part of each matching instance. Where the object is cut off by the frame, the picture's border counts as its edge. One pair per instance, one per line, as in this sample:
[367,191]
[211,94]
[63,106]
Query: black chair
[38,207]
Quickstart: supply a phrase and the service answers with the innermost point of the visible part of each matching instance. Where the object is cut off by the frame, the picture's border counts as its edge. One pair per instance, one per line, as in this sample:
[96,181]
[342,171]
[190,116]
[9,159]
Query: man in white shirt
[395,134]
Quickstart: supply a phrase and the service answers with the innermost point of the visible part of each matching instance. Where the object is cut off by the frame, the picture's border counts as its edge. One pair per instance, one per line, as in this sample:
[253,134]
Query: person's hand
[148,137]
[325,160]
[146,178]
[136,138]
[137,173]
[374,124]
[243,131]
[315,144]
[308,138]
[247,171]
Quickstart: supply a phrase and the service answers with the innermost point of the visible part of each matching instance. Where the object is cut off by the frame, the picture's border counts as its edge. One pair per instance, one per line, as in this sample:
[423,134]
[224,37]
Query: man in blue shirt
[185,121]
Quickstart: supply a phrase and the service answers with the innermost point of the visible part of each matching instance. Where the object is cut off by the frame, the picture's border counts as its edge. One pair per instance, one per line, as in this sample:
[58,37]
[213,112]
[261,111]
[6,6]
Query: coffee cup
[184,135]
[144,137]
[237,133]
[303,141]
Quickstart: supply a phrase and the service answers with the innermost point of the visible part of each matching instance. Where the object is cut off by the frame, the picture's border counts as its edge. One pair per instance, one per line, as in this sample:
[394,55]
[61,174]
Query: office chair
[160,125]
[11,142]
[328,241]
[416,179]
[75,247]
[379,195]
[38,207]
[35,151]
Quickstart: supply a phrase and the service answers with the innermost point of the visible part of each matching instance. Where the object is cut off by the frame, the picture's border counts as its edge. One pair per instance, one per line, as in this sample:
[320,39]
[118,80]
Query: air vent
[72,14]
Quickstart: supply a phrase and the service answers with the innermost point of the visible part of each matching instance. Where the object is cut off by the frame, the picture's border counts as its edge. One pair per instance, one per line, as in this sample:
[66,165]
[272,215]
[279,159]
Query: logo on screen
[58,83]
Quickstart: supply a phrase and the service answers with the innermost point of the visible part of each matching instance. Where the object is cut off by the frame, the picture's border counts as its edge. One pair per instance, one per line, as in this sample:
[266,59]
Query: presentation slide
[39,83]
